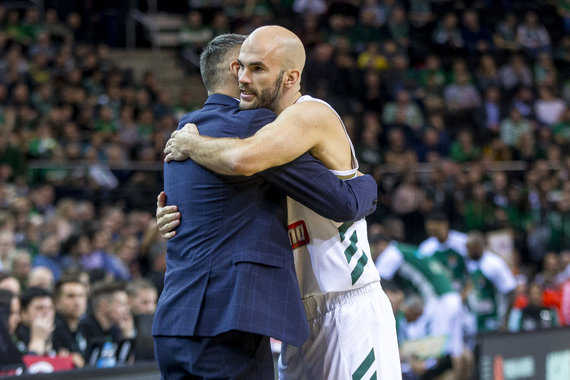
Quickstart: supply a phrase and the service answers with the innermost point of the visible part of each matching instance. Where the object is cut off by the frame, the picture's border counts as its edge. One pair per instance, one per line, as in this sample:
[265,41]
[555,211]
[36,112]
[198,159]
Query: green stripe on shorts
[364,367]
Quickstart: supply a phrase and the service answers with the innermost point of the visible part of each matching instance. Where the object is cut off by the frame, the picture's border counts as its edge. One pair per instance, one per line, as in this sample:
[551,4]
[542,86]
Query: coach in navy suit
[230,279]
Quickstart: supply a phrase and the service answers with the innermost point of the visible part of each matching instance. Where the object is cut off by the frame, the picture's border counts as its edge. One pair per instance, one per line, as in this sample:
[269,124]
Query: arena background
[458,106]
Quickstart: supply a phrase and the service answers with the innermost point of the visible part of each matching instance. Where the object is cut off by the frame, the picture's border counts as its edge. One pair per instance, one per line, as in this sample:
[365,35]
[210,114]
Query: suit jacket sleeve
[309,182]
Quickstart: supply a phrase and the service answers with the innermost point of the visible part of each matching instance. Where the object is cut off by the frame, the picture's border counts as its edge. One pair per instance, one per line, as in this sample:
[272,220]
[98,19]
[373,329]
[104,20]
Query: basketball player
[351,321]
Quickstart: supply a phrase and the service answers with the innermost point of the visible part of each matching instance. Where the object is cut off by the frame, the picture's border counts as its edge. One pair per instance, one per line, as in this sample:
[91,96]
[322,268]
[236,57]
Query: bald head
[271,62]
[278,43]
[475,244]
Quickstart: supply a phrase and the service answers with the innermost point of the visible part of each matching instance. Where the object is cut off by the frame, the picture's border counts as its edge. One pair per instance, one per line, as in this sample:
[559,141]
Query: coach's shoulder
[260,113]
[258,118]
[187,118]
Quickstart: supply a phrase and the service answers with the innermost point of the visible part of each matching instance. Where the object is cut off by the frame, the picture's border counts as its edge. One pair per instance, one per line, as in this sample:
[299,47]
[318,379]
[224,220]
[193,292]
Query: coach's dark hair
[213,59]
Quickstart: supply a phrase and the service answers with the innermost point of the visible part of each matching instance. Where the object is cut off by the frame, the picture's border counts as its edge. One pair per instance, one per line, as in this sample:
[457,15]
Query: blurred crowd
[78,283]
[79,264]
[460,106]
[453,286]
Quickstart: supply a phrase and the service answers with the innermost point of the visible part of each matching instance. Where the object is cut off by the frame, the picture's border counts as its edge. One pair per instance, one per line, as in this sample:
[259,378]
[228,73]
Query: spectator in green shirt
[479,213]
[464,148]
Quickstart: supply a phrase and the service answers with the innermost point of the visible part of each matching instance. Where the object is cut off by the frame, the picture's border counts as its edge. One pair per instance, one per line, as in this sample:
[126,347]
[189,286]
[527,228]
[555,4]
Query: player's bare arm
[301,127]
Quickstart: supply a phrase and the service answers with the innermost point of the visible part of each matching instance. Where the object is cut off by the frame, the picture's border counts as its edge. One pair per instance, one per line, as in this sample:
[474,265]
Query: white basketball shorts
[352,336]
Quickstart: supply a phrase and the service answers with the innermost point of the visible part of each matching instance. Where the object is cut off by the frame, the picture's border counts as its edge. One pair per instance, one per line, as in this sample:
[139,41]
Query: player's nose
[244,76]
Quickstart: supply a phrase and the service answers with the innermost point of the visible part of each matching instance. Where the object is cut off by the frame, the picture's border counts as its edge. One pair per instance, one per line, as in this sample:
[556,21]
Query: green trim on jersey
[422,275]
[343,228]
[351,250]
[358,269]
[455,265]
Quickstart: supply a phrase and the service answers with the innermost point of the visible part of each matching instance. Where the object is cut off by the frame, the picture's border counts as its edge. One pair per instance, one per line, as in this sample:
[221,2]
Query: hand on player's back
[179,141]
[167,217]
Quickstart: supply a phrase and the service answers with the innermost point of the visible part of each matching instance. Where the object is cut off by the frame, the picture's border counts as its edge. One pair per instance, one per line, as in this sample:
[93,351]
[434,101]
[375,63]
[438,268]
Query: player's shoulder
[458,242]
[310,109]
[495,268]
[392,250]
[389,261]
[428,246]
[406,248]
[457,236]
[317,105]
[490,260]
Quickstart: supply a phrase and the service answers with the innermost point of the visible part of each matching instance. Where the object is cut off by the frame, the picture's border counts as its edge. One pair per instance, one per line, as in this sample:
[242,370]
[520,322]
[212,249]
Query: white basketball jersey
[329,256]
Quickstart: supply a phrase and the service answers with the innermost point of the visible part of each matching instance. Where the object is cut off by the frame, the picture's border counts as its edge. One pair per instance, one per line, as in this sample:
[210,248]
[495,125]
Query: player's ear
[234,67]
[292,77]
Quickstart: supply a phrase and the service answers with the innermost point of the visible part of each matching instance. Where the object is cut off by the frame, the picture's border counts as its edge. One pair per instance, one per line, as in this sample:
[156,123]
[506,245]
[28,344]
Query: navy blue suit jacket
[230,265]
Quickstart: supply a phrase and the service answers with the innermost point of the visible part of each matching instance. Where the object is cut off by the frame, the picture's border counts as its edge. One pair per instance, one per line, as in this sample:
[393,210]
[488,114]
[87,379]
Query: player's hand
[190,128]
[167,217]
[180,143]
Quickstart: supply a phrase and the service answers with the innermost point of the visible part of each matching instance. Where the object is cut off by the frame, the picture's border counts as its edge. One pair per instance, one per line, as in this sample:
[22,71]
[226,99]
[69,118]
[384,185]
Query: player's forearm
[215,154]
[307,181]
[227,156]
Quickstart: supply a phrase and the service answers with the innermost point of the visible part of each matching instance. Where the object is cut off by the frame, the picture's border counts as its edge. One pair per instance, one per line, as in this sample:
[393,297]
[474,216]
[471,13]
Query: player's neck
[286,100]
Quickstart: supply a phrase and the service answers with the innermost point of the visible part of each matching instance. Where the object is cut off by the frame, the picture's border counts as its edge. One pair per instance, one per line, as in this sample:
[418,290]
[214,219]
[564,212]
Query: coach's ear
[234,67]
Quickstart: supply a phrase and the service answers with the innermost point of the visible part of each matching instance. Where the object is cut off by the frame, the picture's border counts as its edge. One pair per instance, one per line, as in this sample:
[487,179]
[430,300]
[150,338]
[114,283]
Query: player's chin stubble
[266,98]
